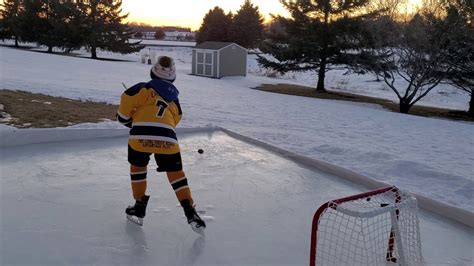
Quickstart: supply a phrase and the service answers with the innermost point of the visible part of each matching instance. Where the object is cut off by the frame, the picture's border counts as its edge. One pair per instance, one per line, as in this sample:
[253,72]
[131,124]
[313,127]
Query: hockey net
[380,227]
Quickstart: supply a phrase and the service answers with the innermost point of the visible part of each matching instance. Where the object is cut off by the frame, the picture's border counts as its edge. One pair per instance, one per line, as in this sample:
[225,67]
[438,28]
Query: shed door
[204,63]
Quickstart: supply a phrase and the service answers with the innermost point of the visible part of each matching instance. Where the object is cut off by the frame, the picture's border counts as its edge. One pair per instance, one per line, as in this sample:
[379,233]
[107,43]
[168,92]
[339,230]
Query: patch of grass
[42,111]
[332,95]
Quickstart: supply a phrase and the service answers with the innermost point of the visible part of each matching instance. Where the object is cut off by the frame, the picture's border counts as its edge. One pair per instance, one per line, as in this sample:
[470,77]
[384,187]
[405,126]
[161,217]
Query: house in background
[219,59]
[179,36]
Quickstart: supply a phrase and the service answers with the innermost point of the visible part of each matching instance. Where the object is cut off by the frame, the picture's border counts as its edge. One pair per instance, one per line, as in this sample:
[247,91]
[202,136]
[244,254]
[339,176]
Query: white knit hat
[164,69]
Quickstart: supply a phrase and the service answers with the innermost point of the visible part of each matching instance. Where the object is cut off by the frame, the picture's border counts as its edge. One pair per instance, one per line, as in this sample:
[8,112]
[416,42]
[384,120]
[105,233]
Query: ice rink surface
[63,204]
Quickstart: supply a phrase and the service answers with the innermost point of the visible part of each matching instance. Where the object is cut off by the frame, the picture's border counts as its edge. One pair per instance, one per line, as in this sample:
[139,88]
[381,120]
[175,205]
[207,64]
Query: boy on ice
[152,111]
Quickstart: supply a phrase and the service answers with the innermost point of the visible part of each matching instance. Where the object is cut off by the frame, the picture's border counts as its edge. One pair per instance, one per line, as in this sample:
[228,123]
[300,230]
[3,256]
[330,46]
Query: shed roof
[213,45]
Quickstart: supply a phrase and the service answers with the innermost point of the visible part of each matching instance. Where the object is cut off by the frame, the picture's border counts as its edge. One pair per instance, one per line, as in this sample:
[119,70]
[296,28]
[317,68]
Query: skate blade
[199,230]
[135,220]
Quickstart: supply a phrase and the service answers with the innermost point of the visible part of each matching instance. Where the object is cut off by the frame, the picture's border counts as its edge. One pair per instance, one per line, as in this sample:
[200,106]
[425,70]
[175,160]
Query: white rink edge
[18,137]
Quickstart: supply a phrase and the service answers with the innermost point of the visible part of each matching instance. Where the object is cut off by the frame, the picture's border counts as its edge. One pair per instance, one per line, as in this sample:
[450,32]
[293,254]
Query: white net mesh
[380,229]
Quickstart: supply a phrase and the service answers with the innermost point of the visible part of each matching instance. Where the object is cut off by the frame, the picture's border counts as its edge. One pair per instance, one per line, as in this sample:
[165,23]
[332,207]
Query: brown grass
[41,111]
[332,95]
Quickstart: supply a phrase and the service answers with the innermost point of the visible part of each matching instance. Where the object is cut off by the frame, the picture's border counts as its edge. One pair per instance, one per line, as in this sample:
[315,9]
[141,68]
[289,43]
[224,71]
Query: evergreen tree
[247,27]
[461,51]
[215,26]
[10,20]
[73,29]
[50,23]
[33,23]
[319,34]
[105,30]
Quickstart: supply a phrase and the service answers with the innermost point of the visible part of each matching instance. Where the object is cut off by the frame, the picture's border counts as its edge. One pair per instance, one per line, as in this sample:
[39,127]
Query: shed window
[204,63]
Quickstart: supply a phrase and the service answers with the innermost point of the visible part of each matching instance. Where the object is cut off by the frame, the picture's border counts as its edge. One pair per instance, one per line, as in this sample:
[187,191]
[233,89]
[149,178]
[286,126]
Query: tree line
[68,25]
[158,31]
[410,54]
[244,28]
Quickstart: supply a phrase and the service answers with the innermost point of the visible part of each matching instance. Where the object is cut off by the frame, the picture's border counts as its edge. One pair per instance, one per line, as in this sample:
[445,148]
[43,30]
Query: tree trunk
[471,105]
[50,49]
[321,75]
[16,42]
[94,52]
[404,106]
[377,77]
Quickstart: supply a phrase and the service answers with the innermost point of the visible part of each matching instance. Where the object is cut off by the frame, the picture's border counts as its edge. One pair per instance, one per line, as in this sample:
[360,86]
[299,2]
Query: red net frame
[334,203]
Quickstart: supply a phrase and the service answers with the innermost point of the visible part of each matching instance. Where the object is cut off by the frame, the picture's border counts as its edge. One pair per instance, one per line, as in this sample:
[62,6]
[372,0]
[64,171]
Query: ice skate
[196,223]
[137,212]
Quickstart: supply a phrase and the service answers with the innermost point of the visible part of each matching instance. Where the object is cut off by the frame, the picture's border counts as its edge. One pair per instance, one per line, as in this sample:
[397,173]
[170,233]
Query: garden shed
[219,59]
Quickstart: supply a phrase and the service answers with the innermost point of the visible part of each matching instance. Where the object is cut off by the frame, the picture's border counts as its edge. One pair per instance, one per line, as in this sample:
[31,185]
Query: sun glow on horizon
[410,6]
[189,13]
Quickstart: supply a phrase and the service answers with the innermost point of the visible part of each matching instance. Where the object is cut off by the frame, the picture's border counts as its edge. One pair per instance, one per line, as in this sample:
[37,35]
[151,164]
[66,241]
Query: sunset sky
[188,13]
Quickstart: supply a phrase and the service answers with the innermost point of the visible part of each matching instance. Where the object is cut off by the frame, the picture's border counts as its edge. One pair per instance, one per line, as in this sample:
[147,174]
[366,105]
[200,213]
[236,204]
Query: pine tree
[319,34]
[215,26]
[50,23]
[10,20]
[73,29]
[32,22]
[247,27]
[461,52]
[105,29]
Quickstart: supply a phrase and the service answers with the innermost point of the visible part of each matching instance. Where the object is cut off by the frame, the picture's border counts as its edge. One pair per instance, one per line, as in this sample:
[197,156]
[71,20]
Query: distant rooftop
[212,45]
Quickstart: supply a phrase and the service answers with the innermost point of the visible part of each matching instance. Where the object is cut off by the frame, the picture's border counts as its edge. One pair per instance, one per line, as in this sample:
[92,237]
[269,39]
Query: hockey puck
[200,151]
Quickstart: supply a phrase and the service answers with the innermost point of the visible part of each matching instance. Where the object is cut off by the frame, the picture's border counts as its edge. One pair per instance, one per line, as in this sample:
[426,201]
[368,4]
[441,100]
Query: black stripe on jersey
[135,89]
[180,184]
[153,131]
[180,112]
[122,120]
[138,177]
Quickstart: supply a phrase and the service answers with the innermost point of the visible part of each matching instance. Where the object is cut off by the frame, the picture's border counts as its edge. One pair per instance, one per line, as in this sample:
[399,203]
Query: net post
[314,233]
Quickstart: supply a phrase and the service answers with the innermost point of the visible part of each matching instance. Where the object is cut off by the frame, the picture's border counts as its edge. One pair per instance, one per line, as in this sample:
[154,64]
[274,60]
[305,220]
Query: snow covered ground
[432,157]
[73,194]
[63,204]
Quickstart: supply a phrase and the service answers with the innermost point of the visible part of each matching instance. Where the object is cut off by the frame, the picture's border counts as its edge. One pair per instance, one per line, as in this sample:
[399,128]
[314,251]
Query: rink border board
[17,137]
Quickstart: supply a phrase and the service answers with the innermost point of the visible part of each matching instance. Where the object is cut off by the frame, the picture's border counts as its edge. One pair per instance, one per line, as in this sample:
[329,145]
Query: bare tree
[413,58]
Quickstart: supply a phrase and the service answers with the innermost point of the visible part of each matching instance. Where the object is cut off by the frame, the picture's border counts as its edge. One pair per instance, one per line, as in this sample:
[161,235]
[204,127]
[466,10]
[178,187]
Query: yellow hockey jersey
[152,111]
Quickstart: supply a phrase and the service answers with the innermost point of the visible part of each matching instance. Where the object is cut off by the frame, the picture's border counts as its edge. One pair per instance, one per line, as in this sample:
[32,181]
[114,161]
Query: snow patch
[4,116]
